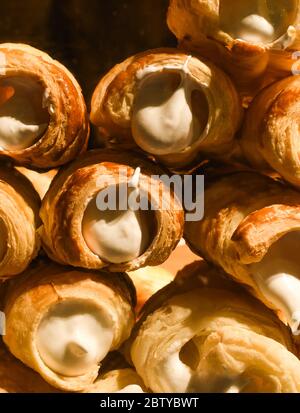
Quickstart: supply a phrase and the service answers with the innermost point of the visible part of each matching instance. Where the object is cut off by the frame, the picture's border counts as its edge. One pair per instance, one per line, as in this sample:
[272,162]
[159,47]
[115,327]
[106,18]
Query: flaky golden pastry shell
[270,136]
[70,192]
[43,285]
[245,213]
[198,27]
[68,130]
[113,100]
[239,336]
[19,221]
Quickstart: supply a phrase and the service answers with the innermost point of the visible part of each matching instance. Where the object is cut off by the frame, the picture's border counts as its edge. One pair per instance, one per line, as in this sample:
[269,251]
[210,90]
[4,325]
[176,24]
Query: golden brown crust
[245,214]
[72,189]
[239,335]
[19,217]
[198,25]
[44,284]
[113,99]
[68,130]
[15,377]
[270,137]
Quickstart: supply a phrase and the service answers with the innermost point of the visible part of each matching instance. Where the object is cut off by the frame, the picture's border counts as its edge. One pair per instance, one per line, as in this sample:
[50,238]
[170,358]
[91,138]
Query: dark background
[88,36]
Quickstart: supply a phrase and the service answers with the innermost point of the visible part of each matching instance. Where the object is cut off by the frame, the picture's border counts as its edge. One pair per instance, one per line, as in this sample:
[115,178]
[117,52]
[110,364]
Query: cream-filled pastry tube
[109,209]
[19,222]
[43,117]
[247,38]
[62,322]
[173,106]
[251,228]
[204,334]
[270,135]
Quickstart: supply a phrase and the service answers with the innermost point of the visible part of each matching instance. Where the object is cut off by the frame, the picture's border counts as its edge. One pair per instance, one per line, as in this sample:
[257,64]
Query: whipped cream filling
[23,119]
[73,337]
[260,21]
[277,276]
[118,236]
[182,376]
[164,119]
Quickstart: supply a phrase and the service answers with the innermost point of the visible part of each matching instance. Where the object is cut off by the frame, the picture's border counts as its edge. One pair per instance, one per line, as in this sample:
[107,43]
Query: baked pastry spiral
[81,228]
[148,281]
[246,37]
[171,105]
[204,334]
[270,136]
[19,222]
[251,229]
[43,117]
[62,322]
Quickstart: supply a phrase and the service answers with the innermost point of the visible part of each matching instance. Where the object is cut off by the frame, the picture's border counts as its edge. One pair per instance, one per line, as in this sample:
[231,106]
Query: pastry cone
[244,37]
[270,134]
[62,322]
[43,118]
[251,229]
[19,221]
[76,232]
[204,335]
[15,377]
[171,105]
[148,281]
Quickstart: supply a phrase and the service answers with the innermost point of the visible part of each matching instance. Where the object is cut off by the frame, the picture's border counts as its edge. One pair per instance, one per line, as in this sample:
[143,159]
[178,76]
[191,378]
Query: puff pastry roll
[107,209]
[245,37]
[148,281]
[270,136]
[19,221]
[173,106]
[62,322]
[43,117]
[251,229]
[201,334]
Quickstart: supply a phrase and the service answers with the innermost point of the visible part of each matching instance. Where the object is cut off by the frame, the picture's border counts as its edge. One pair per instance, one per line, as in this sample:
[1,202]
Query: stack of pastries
[88,299]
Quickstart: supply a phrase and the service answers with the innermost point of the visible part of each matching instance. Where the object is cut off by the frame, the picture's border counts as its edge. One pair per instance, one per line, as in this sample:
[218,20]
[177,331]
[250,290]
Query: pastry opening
[170,112]
[277,276]
[3,239]
[74,336]
[257,21]
[119,234]
[24,116]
